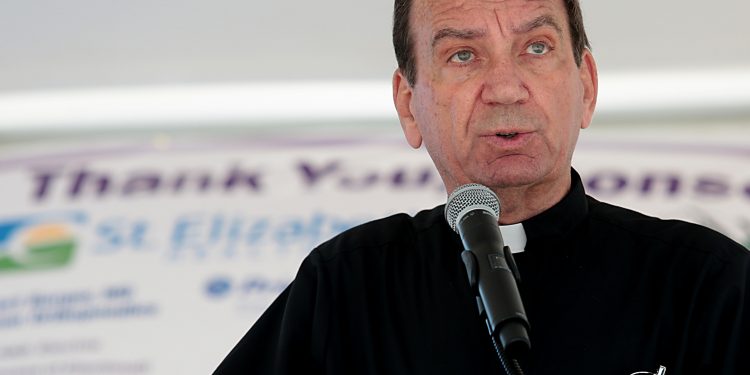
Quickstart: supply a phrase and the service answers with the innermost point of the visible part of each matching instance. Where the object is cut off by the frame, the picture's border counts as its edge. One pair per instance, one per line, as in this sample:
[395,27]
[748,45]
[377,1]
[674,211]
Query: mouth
[507,135]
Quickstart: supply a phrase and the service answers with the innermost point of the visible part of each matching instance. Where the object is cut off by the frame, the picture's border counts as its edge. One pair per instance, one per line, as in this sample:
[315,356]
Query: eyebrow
[541,21]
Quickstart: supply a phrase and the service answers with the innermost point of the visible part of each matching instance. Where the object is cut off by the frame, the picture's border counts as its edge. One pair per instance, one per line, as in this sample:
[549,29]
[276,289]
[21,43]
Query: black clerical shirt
[606,290]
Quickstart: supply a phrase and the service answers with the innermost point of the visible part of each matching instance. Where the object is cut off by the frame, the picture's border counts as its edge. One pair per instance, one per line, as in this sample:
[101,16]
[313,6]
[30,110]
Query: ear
[402,96]
[590,81]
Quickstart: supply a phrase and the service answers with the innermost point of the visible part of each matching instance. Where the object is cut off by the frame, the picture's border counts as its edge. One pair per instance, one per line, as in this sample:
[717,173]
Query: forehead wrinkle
[465,34]
[546,19]
[442,12]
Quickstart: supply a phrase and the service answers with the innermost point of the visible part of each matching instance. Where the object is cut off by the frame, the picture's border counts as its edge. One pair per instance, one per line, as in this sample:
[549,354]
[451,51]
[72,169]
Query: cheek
[427,114]
[462,105]
[437,115]
[563,116]
[568,106]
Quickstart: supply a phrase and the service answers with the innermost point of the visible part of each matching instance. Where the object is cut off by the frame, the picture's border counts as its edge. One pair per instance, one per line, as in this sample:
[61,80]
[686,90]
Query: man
[497,91]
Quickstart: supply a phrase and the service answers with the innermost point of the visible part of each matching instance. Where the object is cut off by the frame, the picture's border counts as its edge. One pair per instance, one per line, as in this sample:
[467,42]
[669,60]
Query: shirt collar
[563,216]
[514,236]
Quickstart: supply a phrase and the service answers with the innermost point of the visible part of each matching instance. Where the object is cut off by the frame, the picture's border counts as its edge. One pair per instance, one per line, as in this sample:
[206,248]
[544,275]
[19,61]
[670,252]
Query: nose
[503,85]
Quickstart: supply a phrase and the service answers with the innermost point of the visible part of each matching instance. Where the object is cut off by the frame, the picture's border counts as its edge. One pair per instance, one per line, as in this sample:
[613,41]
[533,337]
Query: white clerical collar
[514,236]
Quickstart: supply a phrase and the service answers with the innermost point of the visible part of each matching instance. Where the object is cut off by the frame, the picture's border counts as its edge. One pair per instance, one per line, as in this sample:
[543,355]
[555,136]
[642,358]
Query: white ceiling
[48,44]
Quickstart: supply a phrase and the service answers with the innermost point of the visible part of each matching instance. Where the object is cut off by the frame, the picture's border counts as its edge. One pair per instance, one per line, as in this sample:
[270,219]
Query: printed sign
[132,257]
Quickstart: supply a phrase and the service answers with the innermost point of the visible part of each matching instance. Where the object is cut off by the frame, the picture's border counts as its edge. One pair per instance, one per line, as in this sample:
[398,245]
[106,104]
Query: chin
[514,177]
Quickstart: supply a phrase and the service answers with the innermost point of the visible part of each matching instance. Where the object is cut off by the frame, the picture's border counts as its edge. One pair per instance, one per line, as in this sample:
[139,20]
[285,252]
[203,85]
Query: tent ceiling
[88,43]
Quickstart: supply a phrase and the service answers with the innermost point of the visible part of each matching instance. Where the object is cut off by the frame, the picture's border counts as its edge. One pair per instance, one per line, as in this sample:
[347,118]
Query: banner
[133,256]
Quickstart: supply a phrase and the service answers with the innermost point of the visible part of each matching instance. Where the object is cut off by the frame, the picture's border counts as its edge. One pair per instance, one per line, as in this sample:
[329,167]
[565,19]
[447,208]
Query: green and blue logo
[41,241]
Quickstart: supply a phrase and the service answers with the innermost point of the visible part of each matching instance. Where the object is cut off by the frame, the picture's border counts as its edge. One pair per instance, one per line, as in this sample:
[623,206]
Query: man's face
[498,98]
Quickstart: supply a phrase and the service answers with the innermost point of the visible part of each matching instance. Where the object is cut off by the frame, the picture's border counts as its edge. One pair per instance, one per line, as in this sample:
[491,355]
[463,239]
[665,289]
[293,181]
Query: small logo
[38,241]
[218,287]
[662,371]
[252,287]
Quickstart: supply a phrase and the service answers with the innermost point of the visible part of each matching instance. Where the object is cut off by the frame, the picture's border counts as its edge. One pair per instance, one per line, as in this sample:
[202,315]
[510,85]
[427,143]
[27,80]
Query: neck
[522,202]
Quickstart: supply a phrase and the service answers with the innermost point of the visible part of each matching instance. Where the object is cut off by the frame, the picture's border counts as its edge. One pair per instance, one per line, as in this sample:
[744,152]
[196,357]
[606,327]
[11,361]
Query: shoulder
[397,230]
[668,234]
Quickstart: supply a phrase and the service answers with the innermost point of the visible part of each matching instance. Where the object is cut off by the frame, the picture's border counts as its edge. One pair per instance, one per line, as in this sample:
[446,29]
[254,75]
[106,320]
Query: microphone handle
[492,280]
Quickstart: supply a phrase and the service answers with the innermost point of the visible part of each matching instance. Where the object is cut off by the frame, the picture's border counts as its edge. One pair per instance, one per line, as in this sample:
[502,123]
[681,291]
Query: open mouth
[507,135]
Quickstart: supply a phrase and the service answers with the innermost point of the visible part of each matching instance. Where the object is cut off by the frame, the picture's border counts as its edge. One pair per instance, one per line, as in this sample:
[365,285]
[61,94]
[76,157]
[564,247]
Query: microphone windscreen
[470,197]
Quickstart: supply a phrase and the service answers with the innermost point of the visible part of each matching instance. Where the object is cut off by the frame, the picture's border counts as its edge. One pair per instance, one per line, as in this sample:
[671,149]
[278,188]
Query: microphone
[473,211]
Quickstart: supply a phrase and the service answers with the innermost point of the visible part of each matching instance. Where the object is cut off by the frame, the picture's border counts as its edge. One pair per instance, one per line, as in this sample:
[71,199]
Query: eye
[462,57]
[538,48]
